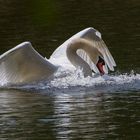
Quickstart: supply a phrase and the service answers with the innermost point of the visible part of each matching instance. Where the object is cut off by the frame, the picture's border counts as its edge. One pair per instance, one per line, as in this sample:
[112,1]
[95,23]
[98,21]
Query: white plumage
[23,64]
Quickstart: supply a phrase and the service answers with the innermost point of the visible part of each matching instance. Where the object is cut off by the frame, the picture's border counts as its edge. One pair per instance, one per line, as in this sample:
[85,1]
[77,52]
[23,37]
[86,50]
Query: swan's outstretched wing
[94,36]
[23,64]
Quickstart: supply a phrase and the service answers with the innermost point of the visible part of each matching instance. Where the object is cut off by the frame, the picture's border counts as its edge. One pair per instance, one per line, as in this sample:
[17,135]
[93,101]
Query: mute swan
[23,64]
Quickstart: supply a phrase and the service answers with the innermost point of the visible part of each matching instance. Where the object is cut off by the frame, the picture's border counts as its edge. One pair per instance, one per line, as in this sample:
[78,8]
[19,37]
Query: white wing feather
[94,36]
[23,64]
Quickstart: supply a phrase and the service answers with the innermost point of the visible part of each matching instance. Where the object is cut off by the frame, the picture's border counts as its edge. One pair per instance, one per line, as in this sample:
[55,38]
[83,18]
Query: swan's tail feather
[23,64]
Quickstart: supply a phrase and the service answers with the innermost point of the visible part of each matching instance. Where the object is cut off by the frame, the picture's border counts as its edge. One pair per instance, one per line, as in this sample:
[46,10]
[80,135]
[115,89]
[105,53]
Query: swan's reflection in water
[67,116]
[80,116]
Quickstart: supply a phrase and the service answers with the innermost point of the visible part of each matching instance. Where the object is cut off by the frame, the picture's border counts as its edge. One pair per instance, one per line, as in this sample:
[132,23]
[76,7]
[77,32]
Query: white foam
[74,81]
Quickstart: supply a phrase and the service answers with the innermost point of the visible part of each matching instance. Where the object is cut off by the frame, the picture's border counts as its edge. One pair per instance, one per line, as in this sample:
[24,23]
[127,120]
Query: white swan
[86,50]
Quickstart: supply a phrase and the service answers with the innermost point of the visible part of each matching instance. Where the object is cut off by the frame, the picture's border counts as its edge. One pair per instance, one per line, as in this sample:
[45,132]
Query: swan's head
[100,65]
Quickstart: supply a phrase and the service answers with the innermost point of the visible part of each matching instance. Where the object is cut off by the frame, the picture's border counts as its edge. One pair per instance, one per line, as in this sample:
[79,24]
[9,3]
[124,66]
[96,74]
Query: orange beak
[100,65]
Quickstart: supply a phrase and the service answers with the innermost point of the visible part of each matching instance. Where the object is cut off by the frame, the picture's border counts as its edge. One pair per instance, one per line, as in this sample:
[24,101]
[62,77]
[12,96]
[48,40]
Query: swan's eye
[100,65]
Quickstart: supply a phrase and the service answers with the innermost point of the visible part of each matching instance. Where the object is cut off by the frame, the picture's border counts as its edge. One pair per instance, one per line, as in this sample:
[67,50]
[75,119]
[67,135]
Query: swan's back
[23,64]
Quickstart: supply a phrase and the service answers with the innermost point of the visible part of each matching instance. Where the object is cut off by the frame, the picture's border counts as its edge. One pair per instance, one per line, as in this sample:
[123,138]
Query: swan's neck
[76,60]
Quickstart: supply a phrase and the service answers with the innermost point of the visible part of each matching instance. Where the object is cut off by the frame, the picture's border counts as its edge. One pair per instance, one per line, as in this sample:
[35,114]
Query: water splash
[74,81]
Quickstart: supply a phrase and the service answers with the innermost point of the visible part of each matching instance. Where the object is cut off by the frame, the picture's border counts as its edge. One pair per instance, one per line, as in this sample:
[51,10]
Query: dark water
[76,115]
[69,116]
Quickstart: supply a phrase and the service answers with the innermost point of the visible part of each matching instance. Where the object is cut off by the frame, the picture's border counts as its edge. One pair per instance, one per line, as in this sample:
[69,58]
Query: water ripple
[64,82]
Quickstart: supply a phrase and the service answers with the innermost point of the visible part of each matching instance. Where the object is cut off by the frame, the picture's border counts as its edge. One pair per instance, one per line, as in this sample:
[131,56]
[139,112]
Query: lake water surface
[73,107]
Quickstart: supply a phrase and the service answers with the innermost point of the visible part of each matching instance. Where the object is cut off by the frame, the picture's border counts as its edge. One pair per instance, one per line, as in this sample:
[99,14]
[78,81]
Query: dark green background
[48,23]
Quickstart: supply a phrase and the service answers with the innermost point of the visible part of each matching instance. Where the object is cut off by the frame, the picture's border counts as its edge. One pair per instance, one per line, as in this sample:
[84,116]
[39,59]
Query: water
[71,106]
[84,115]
